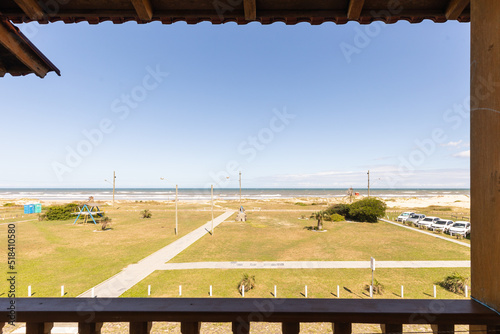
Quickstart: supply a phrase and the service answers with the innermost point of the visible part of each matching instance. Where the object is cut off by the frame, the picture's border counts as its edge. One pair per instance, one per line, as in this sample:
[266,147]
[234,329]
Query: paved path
[314,265]
[134,273]
[19,221]
[428,233]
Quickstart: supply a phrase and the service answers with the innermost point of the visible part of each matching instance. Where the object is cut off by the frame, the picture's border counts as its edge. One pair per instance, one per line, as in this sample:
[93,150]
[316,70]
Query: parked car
[427,221]
[414,218]
[459,228]
[402,217]
[441,225]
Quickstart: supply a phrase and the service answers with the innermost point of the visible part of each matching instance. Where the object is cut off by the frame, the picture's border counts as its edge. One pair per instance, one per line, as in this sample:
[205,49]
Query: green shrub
[61,212]
[9,204]
[455,283]
[337,218]
[301,204]
[340,209]
[378,288]
[247,282]
[367,210]
[146,214]
[105,220]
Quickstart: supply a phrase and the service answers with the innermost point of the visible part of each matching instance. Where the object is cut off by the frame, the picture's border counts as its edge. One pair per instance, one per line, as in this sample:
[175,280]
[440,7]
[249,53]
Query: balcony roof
[19,57]
[239,11]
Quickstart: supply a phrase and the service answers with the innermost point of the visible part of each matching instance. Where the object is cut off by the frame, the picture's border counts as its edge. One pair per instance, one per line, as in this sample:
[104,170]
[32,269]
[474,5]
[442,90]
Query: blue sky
[289,106]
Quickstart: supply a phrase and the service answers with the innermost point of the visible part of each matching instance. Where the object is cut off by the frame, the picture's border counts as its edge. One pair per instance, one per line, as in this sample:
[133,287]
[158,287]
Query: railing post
[391,328]
[39,327]
[342,328]
[89,327]
[290,327]
[440,328]
[241,327]
[190,327]
[139,327]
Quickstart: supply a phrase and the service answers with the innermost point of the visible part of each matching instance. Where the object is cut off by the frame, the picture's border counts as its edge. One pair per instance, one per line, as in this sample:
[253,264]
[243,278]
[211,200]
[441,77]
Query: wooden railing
[39,314]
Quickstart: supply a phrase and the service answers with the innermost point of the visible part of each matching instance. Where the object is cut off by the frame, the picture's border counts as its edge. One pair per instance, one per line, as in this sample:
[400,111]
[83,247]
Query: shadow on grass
[351,292]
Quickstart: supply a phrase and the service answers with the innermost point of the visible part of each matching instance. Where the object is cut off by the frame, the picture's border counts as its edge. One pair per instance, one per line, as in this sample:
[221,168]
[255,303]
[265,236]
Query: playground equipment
[88,209]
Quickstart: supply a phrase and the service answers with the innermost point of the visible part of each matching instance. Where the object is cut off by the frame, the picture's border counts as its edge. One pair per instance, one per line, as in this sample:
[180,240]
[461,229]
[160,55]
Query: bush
[10,204]
[61,212]
[340,209]
[337,218]
[105,220]
[146,214]
[367,210]
[378,288]
[301,204]
[247,282]
[455,283]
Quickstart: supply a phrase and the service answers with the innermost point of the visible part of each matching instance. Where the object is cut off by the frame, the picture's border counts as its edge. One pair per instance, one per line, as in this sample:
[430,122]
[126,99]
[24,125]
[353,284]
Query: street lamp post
[176,201]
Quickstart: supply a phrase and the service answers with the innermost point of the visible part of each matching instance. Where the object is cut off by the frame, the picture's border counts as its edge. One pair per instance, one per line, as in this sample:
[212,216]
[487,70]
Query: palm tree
[319,217]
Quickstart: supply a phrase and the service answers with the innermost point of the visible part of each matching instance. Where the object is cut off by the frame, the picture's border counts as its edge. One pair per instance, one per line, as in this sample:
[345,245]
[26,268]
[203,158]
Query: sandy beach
[457,201]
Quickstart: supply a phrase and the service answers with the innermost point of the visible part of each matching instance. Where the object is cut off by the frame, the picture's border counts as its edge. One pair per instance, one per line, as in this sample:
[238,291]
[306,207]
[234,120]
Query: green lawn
[321,283]
[54,253]
[280,236]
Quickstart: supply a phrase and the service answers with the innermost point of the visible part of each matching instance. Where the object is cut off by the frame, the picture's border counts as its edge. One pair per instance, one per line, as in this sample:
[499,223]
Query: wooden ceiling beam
[144,9]
[22,52]
[3,70]
[31,8]
[355,8]
[455,8]
[250,10]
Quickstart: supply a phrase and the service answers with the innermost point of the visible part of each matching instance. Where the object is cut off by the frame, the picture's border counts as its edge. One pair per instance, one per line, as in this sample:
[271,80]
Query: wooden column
[140,327]
[391,328]
[89,328]
[342,328]
[190,327]
[39,327]
[240,327]
[290,327]
[445,329]
[485,151]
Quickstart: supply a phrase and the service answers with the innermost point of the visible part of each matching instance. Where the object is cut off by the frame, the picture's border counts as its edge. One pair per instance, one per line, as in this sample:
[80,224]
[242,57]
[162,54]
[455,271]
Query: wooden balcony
[90,313]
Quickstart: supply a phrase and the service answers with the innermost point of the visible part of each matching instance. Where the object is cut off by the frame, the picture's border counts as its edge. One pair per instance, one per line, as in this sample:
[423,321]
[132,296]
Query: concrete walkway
[428,233]
[134,273]
[314,265]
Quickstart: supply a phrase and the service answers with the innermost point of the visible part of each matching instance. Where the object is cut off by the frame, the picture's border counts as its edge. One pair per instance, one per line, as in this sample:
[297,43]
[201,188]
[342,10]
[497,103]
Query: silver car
[427,222]
[441,225]
[414,219]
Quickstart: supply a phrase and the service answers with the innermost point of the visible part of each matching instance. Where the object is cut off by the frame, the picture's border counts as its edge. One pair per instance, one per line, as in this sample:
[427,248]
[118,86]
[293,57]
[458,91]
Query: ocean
[161,194]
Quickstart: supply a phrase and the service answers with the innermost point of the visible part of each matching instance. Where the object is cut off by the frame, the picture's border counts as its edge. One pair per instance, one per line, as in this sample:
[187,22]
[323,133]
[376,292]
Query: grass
[51,254]
[281,236]
[54,253]
[321,283]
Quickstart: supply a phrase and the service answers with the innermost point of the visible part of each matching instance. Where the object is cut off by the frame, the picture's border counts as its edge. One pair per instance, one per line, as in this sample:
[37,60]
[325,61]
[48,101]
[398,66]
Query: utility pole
[114,180]
[176,199]
[368,183]
[240,188]
[212,192]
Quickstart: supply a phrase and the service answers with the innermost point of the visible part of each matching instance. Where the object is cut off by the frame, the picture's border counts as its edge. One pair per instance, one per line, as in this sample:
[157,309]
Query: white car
[441,225]
[459,228]
[414,218]
[405,215]
[427,222]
